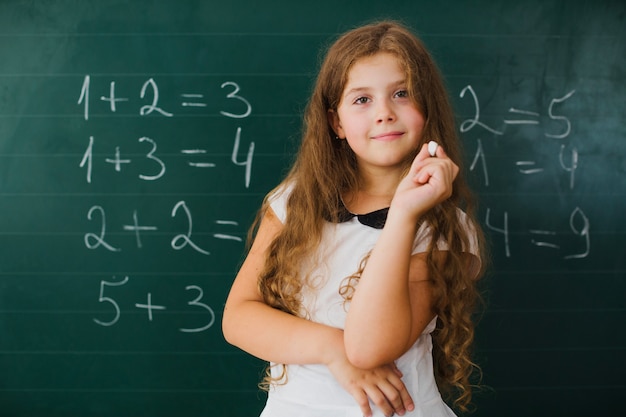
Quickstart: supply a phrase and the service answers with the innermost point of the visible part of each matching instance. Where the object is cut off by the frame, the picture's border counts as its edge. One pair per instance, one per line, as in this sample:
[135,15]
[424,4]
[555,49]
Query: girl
[360,284]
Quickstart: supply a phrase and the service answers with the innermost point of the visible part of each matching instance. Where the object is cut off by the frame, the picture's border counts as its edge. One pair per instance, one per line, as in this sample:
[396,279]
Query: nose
[384,112]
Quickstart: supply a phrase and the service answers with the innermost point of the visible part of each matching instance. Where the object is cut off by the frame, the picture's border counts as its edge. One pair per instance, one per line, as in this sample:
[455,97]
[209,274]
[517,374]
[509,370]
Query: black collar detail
[375,219]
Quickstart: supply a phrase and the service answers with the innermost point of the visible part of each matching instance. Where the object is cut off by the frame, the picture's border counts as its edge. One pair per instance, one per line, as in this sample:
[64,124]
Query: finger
[398,396]
[441,166]
[421,156]
[405,401]
[425,172]
[396,370]
[362,401]
[423,153]
[419,166]
[440,152]
[377,394]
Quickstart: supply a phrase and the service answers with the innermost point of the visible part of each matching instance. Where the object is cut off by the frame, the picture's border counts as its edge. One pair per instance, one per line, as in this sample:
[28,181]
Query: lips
[388,136]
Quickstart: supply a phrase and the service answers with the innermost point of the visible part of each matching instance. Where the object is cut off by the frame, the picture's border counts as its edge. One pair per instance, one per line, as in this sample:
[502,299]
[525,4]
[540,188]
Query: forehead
[378,68]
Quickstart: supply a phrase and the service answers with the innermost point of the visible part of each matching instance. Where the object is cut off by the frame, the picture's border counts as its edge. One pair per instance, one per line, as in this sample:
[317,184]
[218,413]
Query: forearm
[276,336]
[266,332]
[379,323]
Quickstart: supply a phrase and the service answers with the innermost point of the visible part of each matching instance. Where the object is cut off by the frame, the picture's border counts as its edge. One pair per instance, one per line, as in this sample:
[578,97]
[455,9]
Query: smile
[388,136]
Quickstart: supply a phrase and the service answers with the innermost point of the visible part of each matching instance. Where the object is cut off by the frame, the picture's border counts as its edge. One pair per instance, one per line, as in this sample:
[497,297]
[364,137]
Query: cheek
[418,121]
[353,125]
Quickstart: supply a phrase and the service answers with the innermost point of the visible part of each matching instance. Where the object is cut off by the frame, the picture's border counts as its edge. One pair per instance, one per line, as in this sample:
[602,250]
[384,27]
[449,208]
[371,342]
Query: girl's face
[376,115]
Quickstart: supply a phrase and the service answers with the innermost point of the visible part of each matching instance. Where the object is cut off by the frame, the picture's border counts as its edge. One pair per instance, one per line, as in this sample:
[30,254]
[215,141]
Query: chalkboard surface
[137,139]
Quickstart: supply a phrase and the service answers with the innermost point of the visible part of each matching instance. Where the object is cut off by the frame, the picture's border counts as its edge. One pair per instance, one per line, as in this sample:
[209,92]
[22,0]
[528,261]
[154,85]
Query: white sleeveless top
[311,390]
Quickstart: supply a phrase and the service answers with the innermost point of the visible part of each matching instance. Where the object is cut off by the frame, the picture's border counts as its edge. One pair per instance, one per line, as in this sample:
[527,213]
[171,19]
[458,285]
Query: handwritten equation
[568,160]
[148,103]
[195,301]
[156,166]
[150,93]
[96,240]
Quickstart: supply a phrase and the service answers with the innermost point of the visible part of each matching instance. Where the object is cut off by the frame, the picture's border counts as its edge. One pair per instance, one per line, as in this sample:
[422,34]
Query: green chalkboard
[138,138]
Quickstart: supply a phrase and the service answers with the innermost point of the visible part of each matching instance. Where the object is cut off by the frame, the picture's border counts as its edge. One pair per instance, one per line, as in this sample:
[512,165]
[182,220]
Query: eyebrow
[358,90]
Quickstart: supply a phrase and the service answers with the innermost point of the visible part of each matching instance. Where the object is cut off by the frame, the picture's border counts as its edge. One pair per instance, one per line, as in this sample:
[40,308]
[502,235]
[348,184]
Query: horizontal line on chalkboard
[241,353]
[253,194]
[132,391]
[168,34]
[554,349]
[120,353]
[137,116]
[162,390]
[96,273]
[550,271]
[131,155]
[525,273]
[197,312]
[97,312]
[112,233]
[463,35]
[132,194]
[559,388]
[201,312]
[179,74]
[307,75]
[557,310]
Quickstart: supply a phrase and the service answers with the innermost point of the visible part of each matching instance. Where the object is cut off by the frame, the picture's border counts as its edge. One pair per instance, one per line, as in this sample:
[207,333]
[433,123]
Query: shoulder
[425,232]
[277,200]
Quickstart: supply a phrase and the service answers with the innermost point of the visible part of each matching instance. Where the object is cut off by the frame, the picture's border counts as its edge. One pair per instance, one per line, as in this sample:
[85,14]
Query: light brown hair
[325,169]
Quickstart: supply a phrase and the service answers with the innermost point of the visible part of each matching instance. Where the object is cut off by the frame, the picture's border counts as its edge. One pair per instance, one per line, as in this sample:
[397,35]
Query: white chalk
[432,147]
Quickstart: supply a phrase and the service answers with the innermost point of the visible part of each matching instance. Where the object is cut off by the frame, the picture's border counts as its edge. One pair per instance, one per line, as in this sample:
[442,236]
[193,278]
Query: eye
[402,94]
[361,100]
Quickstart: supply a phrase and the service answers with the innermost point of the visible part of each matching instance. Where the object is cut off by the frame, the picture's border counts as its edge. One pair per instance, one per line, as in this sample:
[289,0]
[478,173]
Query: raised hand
[428,182]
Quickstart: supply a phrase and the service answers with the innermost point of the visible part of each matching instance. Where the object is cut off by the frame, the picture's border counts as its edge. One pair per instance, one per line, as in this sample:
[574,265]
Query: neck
[374,192]
[382,183]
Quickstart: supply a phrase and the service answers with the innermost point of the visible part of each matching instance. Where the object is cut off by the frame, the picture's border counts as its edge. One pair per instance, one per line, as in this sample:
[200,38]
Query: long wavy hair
[326,168]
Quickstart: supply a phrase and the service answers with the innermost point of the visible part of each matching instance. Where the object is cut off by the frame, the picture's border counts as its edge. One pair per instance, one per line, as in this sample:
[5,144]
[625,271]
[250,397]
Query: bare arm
[276,336]
[263,331]
[393,302]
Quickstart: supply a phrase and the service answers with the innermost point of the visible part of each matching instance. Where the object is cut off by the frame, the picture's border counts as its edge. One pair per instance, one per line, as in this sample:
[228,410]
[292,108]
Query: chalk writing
[546,238]
[182,240]
[103,299]
[150,307]
[566,159]
[159,169]
[480,154]
[469,124]
[179,241]
[112,99]
[150,155]
[196,302]
[135,227]
[474,121]
[571,168]
[568,125]
[98,240]
[150,93]
[155,99]
[233,94]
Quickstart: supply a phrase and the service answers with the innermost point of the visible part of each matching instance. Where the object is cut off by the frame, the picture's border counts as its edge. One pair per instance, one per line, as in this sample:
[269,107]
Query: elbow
[367,357]
[228,327]
[363,362]
[373,352]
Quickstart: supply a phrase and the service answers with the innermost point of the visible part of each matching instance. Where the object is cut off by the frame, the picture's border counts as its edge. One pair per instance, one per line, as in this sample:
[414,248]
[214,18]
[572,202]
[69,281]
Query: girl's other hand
[382,385]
